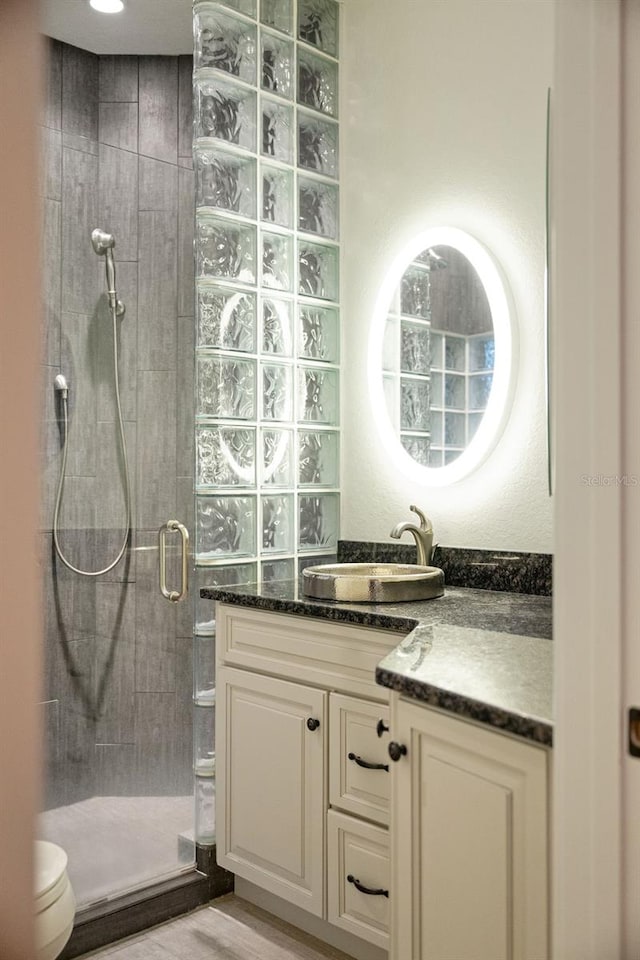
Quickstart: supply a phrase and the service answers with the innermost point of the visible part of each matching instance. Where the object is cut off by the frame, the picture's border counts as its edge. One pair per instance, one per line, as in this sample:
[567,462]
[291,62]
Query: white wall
[444,122]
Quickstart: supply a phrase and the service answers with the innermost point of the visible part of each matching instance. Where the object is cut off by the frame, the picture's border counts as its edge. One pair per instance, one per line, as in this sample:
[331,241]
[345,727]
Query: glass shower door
[118,715]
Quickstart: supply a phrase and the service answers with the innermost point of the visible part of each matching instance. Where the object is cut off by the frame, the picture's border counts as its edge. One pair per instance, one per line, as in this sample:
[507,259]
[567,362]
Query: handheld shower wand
[103,244]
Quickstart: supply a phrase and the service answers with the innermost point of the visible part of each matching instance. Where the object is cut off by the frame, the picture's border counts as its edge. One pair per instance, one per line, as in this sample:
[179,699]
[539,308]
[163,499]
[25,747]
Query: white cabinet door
[468,841]
[270,784]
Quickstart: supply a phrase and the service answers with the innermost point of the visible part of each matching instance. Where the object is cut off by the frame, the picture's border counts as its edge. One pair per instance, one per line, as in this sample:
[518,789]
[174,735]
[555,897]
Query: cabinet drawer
[358,853]
[354,741]
[326,654]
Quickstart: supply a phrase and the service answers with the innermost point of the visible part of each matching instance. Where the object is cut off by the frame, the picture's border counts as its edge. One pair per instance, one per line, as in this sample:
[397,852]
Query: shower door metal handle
[173,526]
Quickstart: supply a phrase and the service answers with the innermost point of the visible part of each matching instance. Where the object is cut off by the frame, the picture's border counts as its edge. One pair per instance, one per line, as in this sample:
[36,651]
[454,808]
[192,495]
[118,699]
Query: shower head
[436,260]
[102,242]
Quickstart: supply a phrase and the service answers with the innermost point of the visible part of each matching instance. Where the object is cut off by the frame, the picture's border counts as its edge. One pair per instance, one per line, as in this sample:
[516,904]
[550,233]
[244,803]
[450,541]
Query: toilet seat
[54,902]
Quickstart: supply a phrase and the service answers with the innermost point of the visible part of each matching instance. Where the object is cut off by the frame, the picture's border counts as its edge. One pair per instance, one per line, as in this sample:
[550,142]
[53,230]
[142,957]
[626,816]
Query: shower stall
[117,433]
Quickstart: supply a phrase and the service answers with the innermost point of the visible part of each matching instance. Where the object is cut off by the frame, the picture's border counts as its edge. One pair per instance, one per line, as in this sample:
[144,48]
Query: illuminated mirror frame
[492,423]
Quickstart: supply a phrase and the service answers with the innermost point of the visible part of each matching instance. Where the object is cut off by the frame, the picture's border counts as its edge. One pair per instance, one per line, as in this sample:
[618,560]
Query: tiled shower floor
[117,843]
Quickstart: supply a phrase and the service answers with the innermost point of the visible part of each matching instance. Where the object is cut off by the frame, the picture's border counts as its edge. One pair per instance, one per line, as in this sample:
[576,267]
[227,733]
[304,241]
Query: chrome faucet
[423,535]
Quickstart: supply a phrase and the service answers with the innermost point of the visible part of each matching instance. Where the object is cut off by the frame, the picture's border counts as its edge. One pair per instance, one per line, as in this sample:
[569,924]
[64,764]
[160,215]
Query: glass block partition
[267,327]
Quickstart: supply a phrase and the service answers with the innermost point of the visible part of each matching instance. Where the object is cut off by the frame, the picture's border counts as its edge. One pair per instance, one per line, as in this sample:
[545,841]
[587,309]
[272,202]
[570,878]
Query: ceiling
[144,26]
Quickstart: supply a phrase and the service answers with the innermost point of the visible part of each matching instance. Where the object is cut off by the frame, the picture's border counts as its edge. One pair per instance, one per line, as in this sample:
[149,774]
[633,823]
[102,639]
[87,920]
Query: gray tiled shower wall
[117,148]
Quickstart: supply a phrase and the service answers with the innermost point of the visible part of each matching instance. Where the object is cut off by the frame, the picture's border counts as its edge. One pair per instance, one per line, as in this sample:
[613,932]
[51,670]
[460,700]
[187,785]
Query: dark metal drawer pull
[312,724]
[370,893]
[368,766]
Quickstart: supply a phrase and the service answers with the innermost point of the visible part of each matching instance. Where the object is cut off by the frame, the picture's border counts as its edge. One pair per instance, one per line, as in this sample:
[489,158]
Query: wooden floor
[229,929]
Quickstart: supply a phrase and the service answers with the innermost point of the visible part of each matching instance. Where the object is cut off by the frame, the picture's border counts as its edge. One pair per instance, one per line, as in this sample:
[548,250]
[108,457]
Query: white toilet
[55,903]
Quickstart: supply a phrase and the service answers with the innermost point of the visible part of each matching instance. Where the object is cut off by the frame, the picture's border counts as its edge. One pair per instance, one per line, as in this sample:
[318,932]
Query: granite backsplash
[503,570]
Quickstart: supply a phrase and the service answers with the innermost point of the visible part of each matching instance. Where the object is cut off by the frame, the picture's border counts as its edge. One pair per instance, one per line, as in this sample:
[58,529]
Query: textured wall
[444,115]
[117,155]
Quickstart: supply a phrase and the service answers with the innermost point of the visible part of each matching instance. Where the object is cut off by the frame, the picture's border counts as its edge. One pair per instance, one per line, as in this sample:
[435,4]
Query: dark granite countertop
[481,654]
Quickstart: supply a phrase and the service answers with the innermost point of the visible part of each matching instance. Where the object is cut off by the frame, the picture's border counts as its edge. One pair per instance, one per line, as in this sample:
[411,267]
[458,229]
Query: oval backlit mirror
[441,356]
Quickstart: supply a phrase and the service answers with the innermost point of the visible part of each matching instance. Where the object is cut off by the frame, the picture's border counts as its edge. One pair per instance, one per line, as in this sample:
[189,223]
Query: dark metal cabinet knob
[381,728]
[312,723]
[397,750]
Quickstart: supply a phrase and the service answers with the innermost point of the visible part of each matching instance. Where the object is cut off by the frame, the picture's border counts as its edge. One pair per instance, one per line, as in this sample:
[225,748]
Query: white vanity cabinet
[302,792]
[438,855]
[468,839]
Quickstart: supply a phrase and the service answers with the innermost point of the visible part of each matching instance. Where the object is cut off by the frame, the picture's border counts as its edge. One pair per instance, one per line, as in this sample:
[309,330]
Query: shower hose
[63,468]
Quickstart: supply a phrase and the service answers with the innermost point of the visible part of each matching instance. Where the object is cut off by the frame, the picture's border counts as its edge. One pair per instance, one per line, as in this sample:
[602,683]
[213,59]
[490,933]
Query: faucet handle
[425,523]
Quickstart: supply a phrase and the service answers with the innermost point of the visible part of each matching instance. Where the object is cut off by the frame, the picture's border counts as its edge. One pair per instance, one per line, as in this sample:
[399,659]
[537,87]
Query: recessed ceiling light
[107,6]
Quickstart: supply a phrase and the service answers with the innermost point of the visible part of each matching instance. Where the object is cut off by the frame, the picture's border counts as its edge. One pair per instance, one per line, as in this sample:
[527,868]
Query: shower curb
[104,923]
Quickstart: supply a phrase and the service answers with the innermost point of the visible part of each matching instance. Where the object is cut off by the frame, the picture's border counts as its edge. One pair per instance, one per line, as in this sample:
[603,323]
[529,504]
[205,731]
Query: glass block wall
[267,326]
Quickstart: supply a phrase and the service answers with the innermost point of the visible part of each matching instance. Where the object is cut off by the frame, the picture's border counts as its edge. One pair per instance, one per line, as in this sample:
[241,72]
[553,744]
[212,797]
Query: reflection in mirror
[442,345]
[438,356]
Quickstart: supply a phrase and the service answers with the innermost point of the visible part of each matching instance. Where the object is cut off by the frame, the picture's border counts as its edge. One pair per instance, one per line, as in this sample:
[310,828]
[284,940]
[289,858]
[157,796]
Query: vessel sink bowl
[372,582]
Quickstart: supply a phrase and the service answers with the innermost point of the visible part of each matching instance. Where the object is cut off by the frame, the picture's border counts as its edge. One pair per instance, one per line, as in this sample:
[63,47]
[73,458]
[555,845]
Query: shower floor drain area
[117,843]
